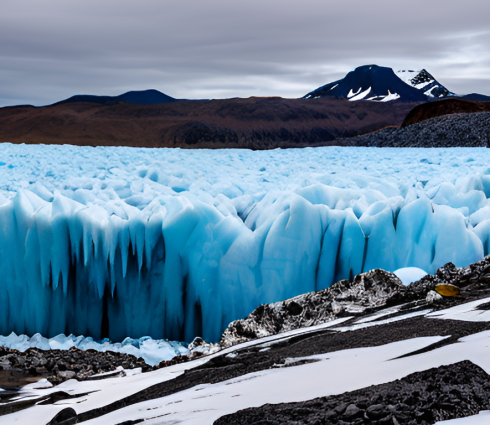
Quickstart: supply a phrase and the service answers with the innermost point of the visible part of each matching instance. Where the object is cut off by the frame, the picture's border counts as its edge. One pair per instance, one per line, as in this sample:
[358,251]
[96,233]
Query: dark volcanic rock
[374,289]
[429,110]
[458,130]
[443,393]
[60,365]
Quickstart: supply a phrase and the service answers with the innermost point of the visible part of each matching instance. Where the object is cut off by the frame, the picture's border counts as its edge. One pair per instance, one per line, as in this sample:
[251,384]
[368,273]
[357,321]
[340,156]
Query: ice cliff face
[174,244]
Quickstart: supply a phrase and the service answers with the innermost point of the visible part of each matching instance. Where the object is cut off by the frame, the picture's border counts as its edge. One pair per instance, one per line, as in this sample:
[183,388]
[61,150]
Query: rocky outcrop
[429,110]
[366,293]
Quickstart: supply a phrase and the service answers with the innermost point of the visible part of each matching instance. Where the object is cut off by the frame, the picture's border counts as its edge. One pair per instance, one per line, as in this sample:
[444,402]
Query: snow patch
[409,275]
[468,312]
[360,96]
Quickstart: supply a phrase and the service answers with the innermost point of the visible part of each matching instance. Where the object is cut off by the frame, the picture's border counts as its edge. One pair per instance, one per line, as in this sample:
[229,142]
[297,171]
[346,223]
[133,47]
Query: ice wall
[120,258]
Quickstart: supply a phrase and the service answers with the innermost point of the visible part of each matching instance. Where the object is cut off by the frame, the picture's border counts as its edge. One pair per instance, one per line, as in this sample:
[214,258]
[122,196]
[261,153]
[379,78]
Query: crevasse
[180,263]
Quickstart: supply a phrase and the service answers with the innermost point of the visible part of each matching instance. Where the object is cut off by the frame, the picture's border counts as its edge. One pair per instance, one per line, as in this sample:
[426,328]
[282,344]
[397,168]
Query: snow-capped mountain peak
[382,84]
[423,80]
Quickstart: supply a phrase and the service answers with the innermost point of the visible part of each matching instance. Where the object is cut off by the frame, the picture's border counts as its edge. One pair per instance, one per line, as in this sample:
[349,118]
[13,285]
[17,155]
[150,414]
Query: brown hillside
[429,110]
[255,123]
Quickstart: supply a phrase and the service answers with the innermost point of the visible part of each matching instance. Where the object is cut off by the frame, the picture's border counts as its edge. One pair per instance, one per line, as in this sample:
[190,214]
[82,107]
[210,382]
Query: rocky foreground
[373,310]
[365,294]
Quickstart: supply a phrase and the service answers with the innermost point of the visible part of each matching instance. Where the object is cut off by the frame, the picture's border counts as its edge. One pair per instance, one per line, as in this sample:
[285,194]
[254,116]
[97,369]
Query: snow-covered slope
[425,82]
[381,84]
[124,242]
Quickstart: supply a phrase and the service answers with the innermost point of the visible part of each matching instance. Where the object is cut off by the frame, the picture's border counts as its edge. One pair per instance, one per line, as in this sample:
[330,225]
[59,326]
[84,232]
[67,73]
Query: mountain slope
[370,82]
[475,97]
[254,123]
[143,97]
[382,84]
[425,82]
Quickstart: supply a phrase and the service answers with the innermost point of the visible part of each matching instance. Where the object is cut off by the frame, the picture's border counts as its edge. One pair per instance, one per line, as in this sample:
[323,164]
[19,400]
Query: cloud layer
[196,49]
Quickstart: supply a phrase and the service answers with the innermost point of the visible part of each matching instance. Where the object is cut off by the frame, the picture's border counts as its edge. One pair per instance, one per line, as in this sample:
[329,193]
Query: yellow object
[447,290]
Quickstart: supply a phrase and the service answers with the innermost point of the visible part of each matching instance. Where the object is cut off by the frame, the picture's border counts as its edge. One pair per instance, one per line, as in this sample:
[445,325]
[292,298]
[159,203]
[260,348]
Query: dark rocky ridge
[367,292]
[437,394]
[142,97]
[457,130]
[439,108]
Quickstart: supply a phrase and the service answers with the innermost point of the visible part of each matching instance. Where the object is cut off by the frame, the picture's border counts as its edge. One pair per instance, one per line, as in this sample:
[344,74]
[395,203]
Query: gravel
[457,130]
[60,365]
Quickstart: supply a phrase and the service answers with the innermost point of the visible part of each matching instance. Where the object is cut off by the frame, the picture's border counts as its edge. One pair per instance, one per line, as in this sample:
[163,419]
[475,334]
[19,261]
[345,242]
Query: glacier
[115,242]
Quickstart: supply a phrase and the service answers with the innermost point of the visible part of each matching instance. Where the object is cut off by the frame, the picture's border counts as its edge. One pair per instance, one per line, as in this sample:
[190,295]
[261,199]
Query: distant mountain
[475,97]
[143,97]
[370,82]
[382,84]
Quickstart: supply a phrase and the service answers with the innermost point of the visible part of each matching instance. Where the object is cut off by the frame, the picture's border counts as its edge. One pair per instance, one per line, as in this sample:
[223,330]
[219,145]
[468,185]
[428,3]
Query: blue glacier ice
[171,243]
[152,351]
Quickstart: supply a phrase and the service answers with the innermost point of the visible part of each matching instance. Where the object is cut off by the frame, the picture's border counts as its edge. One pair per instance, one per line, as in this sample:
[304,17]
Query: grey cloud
[51,50]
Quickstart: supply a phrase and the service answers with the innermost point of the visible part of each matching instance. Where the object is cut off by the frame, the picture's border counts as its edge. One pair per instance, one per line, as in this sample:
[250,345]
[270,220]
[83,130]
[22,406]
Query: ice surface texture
[152,351]
[118,242]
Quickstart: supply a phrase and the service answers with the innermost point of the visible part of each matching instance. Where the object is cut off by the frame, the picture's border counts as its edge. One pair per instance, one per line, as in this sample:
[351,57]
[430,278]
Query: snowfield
[171,243]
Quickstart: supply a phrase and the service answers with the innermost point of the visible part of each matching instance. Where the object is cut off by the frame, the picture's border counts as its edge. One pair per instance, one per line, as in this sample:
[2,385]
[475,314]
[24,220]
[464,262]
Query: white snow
[407,76]
[109,390]
[334,373]
[347,370]
[352,93]
[390,96]
[361,95]
[409,275]
[483,418]
[467,312]
[429,92]
[230,229]
[362,324]
[420,86]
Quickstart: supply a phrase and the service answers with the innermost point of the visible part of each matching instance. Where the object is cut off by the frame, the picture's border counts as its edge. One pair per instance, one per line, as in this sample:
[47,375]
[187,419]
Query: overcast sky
[53,49]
